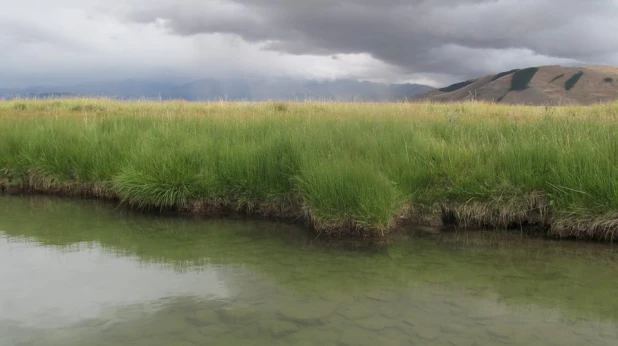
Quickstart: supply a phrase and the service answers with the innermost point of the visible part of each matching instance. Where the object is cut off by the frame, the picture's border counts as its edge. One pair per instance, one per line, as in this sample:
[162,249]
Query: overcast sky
[427,41]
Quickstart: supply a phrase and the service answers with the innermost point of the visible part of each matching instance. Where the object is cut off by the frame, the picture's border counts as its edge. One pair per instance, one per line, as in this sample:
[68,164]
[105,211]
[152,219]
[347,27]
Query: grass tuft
[341,192]
[87,108]
[20,106]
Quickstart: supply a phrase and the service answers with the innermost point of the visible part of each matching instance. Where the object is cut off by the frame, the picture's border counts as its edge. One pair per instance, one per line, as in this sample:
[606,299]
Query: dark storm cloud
[432,36]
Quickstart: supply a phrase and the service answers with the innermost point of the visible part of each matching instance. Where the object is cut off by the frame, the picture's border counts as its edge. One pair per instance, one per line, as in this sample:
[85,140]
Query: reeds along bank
[343,168]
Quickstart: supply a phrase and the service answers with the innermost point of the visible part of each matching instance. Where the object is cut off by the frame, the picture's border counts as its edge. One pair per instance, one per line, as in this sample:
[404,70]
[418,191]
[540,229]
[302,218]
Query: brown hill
[554,85]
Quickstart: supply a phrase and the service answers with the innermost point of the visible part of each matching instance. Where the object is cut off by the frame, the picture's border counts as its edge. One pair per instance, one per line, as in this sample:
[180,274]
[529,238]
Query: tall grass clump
[341,193]
[160,176]
[262,172]
[342,167]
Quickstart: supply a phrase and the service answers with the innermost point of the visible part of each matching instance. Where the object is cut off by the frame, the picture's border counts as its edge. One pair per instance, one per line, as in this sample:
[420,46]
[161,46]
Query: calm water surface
[85,273]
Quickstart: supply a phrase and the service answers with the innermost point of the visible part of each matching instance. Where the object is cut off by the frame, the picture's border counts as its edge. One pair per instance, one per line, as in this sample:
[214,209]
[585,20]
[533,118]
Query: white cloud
[71,42]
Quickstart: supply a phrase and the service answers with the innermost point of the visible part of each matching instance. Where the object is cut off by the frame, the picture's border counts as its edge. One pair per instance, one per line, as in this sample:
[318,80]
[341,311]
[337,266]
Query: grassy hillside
[553,85]
[341,167]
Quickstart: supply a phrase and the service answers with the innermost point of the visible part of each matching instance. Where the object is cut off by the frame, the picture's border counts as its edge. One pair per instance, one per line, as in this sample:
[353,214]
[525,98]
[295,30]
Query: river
[78,272]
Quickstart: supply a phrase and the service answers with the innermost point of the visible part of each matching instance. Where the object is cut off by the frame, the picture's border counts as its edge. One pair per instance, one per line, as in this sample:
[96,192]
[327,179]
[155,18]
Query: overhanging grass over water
[344,167]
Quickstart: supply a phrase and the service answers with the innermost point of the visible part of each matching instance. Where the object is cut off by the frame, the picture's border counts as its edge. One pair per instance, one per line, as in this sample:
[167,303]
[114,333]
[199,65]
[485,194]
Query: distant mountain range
[230,89]
[543,85]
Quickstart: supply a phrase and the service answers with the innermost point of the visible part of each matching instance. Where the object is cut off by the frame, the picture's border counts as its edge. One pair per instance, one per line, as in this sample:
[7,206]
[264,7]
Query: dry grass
[501,212]
[553,85]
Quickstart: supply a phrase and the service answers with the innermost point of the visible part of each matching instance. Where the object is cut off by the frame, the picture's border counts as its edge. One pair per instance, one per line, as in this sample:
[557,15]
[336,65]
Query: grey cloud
[18,33]
[410,35]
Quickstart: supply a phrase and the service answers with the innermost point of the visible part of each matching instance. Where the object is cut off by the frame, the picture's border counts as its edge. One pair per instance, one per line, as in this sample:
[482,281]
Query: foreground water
[85,273]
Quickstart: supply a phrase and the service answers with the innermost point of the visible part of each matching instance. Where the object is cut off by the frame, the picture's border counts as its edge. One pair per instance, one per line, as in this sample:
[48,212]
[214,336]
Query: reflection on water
[84,273]
[82,282]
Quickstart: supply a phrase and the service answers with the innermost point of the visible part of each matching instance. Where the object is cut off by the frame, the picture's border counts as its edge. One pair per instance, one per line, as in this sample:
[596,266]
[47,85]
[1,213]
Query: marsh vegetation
[342,168]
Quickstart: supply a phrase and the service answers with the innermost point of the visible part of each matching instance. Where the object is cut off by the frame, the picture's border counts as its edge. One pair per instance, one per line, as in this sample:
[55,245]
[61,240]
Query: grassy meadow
[344,168]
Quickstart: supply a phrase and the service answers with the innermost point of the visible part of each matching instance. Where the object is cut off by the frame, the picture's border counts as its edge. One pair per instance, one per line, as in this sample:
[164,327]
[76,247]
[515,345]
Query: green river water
[75,272]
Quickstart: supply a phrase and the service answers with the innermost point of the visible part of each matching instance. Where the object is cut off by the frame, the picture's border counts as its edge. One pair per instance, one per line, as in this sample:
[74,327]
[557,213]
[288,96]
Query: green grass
[457,86]
[557,77]
[570,83]
[344,166]
[505,73]
[521,78]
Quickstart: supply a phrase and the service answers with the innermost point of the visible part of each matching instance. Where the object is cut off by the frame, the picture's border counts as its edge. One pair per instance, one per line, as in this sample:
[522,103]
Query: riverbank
[341,168]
